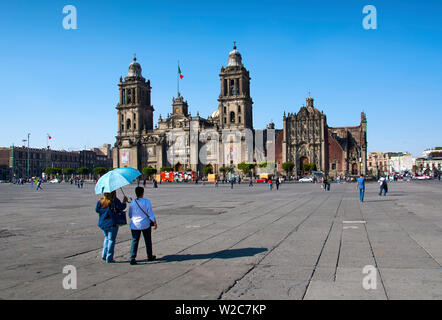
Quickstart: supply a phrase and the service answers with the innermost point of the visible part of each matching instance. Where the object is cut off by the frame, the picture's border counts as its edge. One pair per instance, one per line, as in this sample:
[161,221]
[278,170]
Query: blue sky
[64,82]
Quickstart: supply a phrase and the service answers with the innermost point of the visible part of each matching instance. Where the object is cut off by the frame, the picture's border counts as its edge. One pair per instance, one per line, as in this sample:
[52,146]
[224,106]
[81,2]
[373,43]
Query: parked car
[54,181]
[261,180]
[306,179]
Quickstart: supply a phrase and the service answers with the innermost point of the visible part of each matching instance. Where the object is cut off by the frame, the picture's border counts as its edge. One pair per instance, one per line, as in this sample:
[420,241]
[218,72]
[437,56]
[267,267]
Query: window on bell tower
[232,117]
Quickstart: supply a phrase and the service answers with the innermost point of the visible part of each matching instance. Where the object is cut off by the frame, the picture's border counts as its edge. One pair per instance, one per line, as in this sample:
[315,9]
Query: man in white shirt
[141,215]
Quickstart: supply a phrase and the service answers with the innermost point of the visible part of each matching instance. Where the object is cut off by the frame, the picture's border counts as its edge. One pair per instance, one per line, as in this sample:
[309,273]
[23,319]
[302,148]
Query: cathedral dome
[234,58]
[134,69]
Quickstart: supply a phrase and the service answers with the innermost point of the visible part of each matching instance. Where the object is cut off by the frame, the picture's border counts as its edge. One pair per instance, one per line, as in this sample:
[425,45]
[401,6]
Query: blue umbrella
[116,179]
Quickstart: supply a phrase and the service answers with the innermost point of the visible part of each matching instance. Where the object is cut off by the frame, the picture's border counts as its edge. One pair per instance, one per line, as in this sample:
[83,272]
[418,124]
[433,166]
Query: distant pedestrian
[251,182]
[142,219]
[144,183]
[107,207]
[155,184]
[81,182]
[361,187]
[39,185]
[383,186]
[277,184]
[216,183]
[270,184]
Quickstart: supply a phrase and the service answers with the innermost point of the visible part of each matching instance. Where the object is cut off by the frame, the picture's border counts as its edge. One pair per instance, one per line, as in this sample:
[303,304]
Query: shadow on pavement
[224,254]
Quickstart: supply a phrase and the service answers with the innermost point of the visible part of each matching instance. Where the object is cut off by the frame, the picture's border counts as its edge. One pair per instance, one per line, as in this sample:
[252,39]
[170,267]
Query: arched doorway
[354,169]
[303,160]
[179,167]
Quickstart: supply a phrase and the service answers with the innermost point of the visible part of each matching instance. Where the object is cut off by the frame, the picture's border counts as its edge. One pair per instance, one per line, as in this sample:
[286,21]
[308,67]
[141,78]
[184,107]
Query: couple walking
[142,219]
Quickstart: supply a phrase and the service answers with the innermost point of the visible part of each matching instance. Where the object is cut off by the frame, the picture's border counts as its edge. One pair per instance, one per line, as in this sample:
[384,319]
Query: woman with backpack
[107,207]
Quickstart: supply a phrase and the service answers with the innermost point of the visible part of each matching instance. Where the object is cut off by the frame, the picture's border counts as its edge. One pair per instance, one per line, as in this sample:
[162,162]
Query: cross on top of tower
[234,45]
[135,57]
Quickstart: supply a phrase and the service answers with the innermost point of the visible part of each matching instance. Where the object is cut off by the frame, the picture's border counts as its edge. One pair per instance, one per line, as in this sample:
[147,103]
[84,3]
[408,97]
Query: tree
[83,171]
[99,171]
[166,169]
[309,167]
[245,167]
[288,167]
[149,171]
[207,170]
[262,164]
[68,171]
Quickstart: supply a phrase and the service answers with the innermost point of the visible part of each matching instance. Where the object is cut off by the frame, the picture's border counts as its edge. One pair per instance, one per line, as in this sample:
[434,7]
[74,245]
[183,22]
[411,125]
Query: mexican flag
[49,137]
[179,72]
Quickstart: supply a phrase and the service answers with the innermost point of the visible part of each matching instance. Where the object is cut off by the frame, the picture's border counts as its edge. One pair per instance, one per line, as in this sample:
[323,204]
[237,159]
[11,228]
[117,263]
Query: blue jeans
[380,191]
[147,235]
[109,243]
[361,194]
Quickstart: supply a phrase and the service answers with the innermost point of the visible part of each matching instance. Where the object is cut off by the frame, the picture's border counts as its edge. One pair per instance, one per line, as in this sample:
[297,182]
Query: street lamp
[28,152]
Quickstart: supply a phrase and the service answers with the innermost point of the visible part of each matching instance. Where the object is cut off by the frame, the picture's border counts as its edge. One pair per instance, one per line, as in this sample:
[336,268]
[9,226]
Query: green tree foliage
[166,169]
[99,171]
[245,167]
[288,166]
[83,170]
[68,171]
[148,171]
[207,170]
[309,167]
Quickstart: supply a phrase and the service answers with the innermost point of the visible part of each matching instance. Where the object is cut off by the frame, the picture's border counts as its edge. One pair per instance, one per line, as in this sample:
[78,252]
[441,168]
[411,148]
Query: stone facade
[227,136]
[179,139]
[340,151]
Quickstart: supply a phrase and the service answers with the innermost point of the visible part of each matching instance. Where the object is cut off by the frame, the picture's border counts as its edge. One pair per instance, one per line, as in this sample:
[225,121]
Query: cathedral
[227,136]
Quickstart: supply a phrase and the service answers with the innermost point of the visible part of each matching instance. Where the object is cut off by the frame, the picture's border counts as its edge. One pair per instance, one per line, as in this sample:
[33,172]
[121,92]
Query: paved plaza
[217,243]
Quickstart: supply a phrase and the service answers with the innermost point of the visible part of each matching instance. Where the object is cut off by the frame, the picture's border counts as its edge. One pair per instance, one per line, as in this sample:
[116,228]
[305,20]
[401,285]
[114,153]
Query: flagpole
[178,80]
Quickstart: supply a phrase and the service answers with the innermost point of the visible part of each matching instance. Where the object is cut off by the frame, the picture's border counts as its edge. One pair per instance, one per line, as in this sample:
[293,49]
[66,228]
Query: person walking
[277,184]
[142,219]
[383,186]
[155,183]
[231,183]
[38,185]
[361,187]
[107,207]
[270,184]
[251,181]
[216,183]
[324,183]
[81,182]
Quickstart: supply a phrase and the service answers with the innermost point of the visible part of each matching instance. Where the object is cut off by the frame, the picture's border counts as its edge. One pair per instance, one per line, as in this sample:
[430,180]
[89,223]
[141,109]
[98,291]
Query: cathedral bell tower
[135,113]
[235,104]
[135,117]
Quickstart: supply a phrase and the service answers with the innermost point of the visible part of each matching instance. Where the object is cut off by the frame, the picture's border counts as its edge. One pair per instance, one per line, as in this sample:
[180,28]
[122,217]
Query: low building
[431,161]
[23,162]
[381,163]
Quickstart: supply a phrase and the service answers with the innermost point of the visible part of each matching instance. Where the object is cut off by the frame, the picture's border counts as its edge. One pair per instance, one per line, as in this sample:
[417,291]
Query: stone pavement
[216,243]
